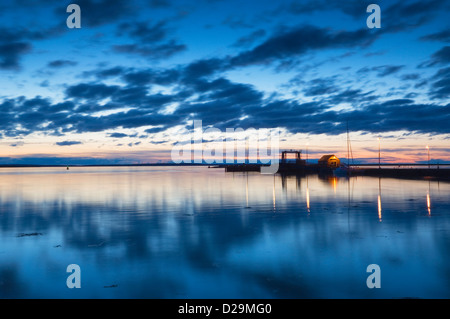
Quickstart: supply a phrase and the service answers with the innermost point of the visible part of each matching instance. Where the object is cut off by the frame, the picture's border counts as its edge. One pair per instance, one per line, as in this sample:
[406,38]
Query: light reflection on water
[164,232]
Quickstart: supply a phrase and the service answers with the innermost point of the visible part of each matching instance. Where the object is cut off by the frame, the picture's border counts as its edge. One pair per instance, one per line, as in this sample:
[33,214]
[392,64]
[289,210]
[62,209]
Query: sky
[127,85]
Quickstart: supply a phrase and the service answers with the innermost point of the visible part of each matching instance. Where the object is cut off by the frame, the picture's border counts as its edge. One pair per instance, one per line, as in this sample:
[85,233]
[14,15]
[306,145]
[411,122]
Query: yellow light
[379,208]
[274,200]
[379,200]
[246,192]
[334,183]
[307,199]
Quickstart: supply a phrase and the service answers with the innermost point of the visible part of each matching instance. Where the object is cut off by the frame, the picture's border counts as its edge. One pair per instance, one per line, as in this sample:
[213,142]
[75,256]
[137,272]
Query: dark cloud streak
[68,143]
[292,43]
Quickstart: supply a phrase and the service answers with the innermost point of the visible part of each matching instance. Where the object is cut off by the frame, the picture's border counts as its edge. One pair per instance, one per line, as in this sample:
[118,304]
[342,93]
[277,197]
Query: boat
[342,171]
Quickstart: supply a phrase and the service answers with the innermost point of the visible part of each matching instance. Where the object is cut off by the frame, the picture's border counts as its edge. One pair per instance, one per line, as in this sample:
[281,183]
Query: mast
[348,148]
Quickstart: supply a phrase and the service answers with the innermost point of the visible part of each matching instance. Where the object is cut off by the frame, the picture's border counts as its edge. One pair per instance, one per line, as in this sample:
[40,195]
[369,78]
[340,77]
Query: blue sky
[128,84]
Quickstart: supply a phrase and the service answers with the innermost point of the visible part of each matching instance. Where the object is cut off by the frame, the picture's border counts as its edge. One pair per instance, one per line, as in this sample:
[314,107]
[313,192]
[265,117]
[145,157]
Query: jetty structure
[331,165]
[286,164]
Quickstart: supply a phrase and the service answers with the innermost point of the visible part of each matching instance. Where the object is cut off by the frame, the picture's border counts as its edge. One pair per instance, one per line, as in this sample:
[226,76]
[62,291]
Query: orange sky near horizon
[394,149]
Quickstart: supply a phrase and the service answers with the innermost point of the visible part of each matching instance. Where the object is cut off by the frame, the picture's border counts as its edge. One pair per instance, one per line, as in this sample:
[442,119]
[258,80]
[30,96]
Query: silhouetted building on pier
[298,157]
[329,161]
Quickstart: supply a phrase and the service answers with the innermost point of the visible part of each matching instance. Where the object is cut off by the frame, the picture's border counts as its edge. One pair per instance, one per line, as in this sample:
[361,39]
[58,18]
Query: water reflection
[188,233]
[308,207]
[246,191]
[333,181]
[428,199]
[274,198]
[379,200]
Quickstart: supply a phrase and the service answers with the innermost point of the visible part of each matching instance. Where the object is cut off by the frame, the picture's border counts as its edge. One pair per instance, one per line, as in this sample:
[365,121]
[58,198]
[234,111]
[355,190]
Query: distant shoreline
[100,165]
[205,164]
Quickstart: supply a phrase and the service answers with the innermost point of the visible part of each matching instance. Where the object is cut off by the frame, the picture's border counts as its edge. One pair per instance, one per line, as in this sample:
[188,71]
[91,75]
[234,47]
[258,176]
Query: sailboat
[345,169]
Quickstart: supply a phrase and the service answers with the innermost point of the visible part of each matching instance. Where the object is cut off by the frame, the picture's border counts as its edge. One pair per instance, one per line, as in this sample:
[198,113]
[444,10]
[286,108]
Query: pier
[442,173]
[404,171]
[327,166]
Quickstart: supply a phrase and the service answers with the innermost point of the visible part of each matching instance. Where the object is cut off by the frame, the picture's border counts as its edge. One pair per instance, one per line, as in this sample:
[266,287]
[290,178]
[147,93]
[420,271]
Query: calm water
[202,233]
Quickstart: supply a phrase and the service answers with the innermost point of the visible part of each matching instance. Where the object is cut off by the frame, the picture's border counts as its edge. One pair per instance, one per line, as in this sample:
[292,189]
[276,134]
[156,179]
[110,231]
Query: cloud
[394,115]
[17,144]
[441,57]
[320,86]
[220,102]
[438,58]
[406,15]
[386,70]
[410,76]
[397,115]
[150,76]
[440,88]
[103,74]
[127,119]
[19,34]
[382,70]
[118,135]
[133,144]
[159,3]
[91,91]
[151,40]
[143,31]
[396,15]
[292,43]
[179,75]
[10,54]
[182,74]
[68,143]
[355,97]
[249,39]
[235,22]
[61,63]
[95,13]
[137,77]
[17,41]
[223,104]
[202,68]
[354,8]
[154,52]
[442,36]
[91,97]
[158,142]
